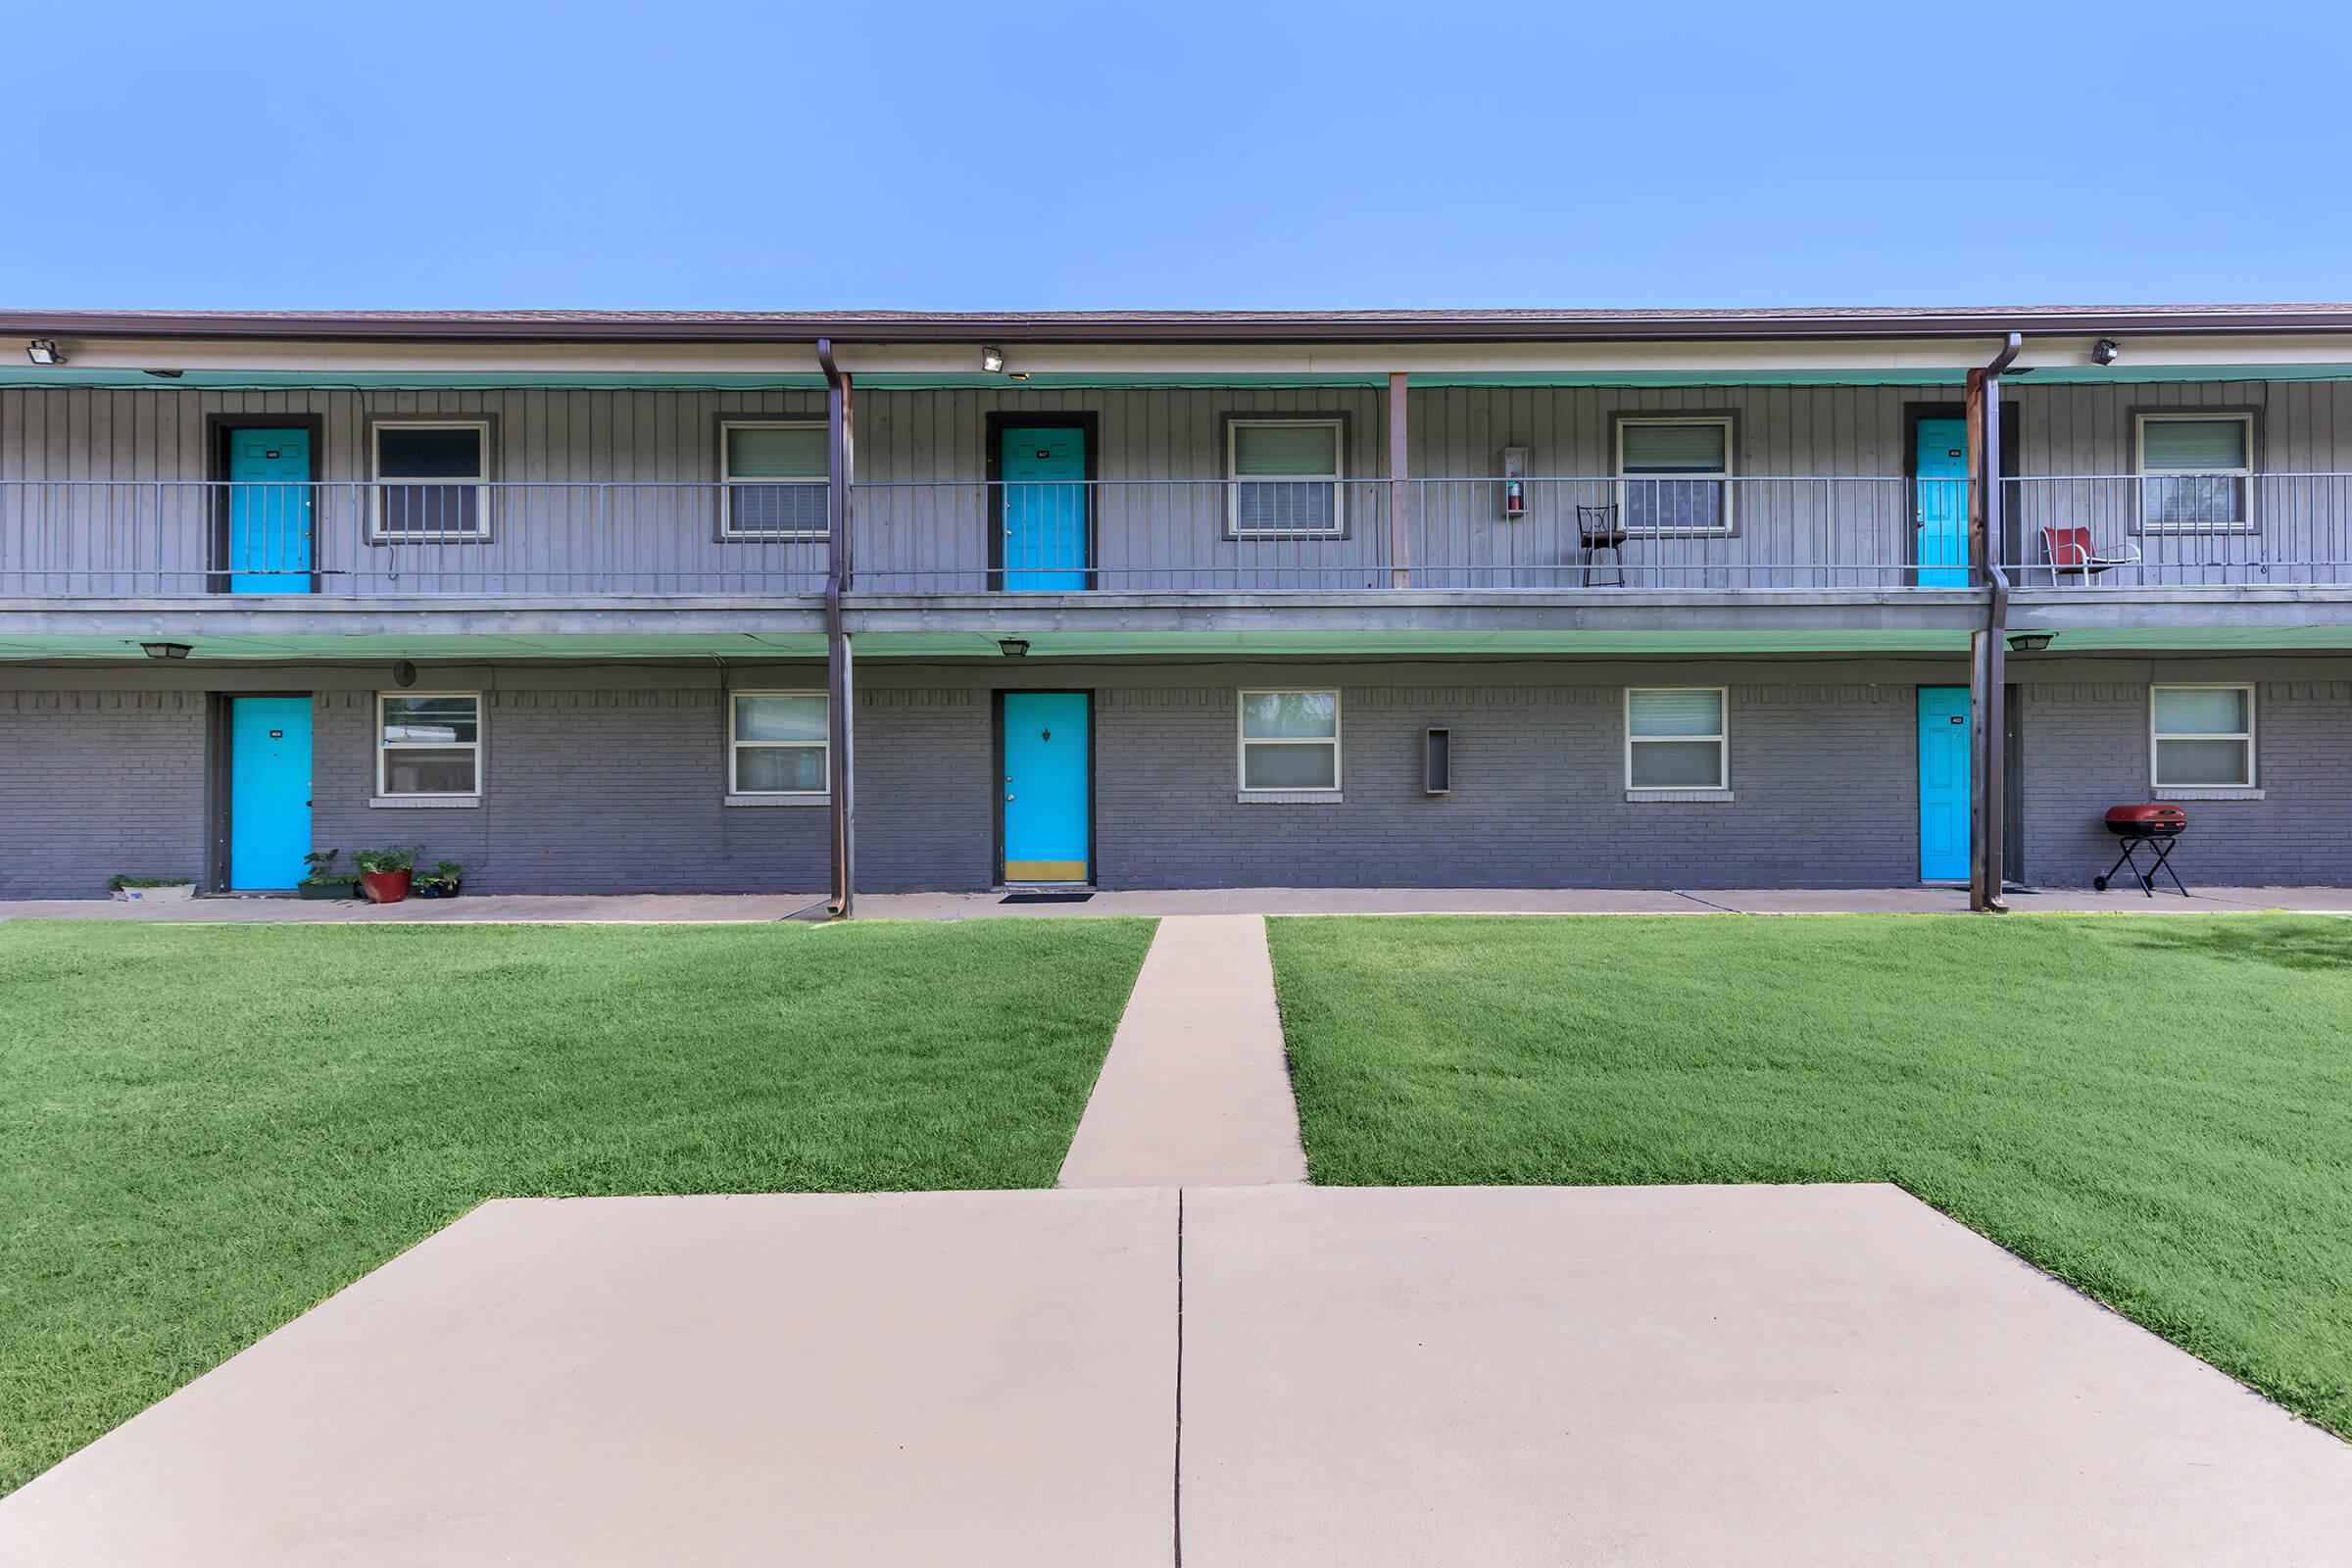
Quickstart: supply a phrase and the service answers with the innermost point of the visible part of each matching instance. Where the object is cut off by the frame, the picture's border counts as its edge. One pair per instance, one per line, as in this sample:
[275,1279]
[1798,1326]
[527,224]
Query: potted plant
[384,874]
[151,889]
[322,881]
[441,882]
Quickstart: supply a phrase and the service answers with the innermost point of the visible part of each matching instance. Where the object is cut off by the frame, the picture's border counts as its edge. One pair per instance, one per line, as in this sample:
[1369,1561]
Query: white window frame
[479,745]
[376,532]
[1244,740]
[1722,739]
[1731,466]
[2244,475]
[727,529]
[1337,478]
[736,747]
[2155,735]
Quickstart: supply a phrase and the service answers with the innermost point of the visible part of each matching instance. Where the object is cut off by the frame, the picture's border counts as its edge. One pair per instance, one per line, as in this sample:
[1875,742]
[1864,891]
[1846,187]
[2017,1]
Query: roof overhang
[1132,328]
[273,363]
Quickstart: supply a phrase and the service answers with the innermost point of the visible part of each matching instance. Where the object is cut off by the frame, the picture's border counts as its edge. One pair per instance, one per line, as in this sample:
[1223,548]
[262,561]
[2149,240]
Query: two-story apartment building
[659,601]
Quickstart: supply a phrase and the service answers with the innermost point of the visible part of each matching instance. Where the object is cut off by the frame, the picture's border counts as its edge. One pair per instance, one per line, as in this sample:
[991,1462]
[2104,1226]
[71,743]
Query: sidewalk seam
[1176,1506]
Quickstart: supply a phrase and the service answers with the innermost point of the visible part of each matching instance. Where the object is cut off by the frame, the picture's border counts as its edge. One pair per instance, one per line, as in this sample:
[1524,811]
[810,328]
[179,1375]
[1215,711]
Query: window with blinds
[1290,740]
[1673,473]
[1284,476]
[2195,471]
[1675,739]
[776,476]
[429,476]
[2201,736]
[776,742]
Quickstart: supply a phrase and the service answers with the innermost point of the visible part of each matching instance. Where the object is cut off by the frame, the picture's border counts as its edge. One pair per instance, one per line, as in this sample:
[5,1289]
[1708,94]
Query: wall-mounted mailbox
[1437,765]
[1514,481]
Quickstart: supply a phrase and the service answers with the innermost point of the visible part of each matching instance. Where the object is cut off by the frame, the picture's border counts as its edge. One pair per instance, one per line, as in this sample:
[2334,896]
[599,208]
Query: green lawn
[207,1129]
[2157,1109]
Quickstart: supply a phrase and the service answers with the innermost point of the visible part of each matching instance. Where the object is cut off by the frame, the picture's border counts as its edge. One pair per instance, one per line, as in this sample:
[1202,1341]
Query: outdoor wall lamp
[2105,351]
[2030,642]
[43,351]
[165,650]
[1013,647]
[991,360]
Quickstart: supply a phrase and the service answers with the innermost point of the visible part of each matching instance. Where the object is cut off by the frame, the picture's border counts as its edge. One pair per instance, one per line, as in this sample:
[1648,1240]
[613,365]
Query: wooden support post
[1400,485]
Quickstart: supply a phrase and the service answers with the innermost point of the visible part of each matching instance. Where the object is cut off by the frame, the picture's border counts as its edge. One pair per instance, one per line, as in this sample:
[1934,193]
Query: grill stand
[2162,845]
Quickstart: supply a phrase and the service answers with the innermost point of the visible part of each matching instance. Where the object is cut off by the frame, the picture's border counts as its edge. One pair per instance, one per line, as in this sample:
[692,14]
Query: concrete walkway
[1242,1376]
[656,907]
[1196,1087]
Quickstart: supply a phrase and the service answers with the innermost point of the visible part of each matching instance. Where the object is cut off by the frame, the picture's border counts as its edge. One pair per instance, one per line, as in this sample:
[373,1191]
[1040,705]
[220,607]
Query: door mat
[1045,897]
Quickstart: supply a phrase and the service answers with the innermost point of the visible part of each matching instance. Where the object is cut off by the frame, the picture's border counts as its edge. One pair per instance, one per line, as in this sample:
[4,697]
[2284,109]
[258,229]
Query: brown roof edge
[1178,326]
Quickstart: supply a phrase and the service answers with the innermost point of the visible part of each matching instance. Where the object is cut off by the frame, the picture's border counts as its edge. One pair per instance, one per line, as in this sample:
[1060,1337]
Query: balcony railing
[1541,534]
[169,538]
[1695,534]
[2207,531]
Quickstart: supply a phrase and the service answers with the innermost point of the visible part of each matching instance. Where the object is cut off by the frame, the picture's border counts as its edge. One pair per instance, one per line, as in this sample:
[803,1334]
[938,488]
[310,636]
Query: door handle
[1009,797]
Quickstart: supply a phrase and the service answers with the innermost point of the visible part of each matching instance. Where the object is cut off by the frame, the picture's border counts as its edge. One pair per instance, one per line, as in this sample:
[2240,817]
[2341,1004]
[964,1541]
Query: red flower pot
[385,887]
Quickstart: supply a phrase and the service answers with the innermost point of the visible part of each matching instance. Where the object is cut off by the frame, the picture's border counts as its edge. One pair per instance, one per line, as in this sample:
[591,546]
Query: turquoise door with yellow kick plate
[1049,794]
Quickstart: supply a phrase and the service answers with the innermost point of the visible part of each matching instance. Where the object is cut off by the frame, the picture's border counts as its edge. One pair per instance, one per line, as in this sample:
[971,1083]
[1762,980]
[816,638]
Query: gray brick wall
[93,783]
[607,780]
[1825,792]
[2087,749]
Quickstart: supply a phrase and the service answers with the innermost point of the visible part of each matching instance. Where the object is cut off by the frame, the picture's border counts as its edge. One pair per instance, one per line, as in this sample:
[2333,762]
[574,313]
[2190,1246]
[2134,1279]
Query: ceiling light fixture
[2030,642]
[1013,647]
[165,650]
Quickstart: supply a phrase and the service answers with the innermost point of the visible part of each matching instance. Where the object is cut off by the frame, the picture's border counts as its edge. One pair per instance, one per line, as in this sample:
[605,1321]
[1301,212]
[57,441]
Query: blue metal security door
[1047,801]
[1940,466]
[268,511]
[1944,772]
[1043,470]
[268,789]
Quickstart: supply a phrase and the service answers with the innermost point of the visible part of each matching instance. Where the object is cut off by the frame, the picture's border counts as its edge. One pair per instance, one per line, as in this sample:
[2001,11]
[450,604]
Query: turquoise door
[1043,472]
[1048,803]
[268,511]
[1939,465]
[268,789]
[1943,784]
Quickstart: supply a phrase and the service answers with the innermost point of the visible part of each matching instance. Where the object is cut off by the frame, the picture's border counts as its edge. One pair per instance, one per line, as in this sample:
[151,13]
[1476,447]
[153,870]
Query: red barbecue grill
[2153,827]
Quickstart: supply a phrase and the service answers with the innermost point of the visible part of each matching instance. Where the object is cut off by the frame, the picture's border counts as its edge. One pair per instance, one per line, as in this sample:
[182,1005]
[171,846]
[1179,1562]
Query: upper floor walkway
[1719,491]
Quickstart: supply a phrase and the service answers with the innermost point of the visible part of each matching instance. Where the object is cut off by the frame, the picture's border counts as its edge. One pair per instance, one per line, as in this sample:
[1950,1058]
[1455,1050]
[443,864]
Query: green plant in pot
[385,875]
[441,882]
[321,879]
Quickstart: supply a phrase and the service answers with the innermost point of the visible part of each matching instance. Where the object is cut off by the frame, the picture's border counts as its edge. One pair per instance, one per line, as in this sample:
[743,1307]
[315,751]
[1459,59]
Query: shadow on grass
[2300,945]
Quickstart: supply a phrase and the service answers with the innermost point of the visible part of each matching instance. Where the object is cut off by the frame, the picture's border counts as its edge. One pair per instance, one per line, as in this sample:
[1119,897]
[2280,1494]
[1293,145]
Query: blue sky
[1112,155]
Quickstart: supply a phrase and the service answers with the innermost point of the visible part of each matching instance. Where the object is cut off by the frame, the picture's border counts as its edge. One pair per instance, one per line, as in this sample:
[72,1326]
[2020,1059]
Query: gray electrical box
[1437,766]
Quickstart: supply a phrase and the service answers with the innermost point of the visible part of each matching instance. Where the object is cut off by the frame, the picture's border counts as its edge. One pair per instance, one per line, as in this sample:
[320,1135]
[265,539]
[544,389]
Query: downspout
[840,766]
[1989,669]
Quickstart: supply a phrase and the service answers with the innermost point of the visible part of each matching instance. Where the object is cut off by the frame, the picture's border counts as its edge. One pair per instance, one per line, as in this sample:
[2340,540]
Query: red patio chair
[2072,554]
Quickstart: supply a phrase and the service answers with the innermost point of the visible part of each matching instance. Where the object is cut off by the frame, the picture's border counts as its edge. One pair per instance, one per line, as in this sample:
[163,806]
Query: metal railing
[1746,534]
[172,538]
[2215,530]
[1541,534]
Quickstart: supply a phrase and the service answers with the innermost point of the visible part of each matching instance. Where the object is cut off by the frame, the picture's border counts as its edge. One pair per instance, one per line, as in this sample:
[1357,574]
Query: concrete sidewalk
[1291,1375]
[1196,1087]
[659,907]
